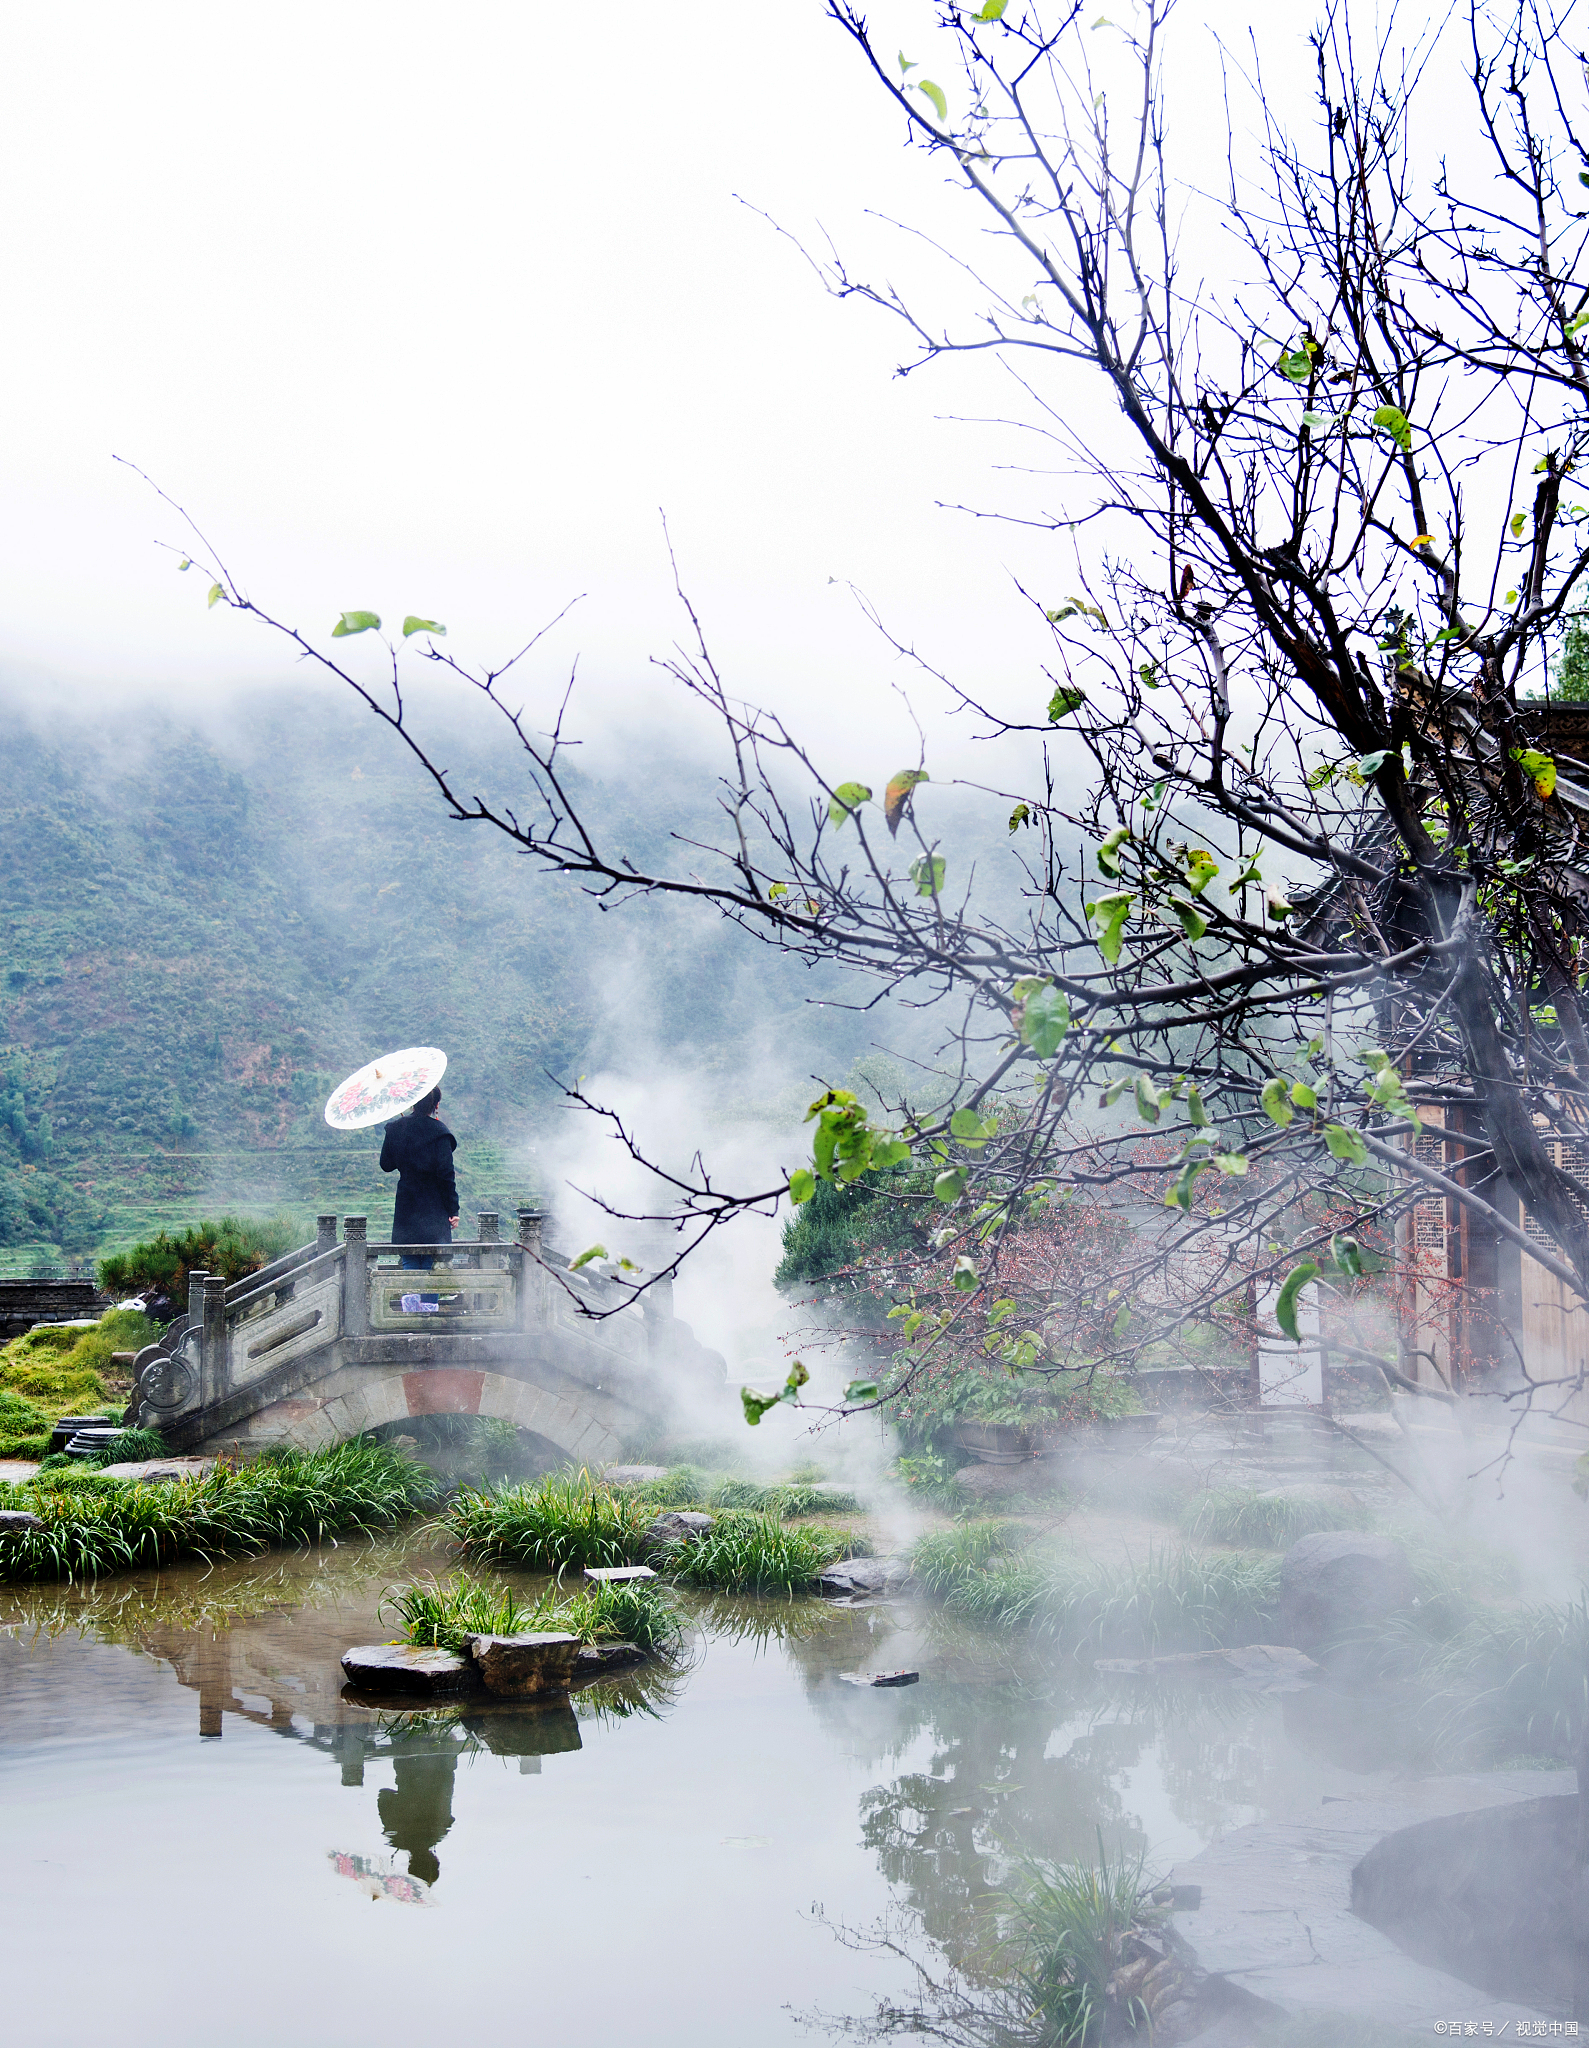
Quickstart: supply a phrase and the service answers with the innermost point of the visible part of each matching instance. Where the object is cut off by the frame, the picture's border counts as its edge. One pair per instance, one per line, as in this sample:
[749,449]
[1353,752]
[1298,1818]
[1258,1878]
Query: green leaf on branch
[1122,1321]
[1348,1255]
[927,873]
[596,1251]
[1277,905]
[992,10]
[1393,421]
[1370,764]
[897,795]
[1108,916]
[935,94]
[1045,1018]
[1275,1105]
[1066,698]
[1303,1096]
[1021,815]
[802,1185]
[949,1185]
[1286,1306]
[756,1405]
[1234,1163]
[1109,851]
[1538,767]
[1201,868]
[1297,364]
[1149,1099]
[1179,1193]
[216,594]
[355,622]
[964,1277]
[861,1390]
[1191,919]
[1197,1115]
[1516,524]
[846,800]
[971,1129]
[1346,1143]
[414,624]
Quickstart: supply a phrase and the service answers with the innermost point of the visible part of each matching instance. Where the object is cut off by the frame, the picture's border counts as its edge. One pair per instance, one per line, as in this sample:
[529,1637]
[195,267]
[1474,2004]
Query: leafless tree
[1321,507]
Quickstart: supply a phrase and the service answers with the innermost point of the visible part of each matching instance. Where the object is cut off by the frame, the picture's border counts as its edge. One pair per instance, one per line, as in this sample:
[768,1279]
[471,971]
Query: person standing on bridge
[418,1148]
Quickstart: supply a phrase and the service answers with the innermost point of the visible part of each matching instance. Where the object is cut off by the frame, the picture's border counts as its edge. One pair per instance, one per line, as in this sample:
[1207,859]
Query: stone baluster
[213,1354]
[487,1232]
[532,1280]
[355,1277]
[325,1233]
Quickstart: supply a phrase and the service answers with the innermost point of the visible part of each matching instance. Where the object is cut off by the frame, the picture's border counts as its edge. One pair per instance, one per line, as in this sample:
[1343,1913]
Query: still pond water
[205,1843]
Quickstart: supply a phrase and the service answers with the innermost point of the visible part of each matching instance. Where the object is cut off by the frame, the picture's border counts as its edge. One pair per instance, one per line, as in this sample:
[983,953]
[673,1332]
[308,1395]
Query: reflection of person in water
[418,1148]
[417,1812]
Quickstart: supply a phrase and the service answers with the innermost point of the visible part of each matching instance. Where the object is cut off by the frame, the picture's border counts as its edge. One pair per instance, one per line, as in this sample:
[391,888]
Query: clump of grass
[681,1487]
[789,1502]
[555,1524]
[745,1552]
[1178,1600]
[24,1427]
[60,1370]
[1069,1923]
[94,1525]
[1264,1521]
[944,1559]
[637,1612]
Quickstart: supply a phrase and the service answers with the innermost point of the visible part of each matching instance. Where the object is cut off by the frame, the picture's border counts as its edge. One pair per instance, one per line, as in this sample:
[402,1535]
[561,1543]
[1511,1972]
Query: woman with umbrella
[418,1148]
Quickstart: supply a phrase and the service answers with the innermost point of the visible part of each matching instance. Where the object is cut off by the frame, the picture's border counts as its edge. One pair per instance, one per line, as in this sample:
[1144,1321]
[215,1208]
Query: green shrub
[746,1552]
[563,1522]
[133,1446]
[94,1525]
[232,1247]
[1265,1521]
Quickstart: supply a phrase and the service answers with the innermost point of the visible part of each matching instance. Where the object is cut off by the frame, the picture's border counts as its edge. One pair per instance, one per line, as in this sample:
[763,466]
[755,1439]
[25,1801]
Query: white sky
[431,309]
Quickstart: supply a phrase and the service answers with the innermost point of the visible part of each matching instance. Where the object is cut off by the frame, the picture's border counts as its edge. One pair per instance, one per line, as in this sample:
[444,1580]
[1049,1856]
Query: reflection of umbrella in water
[380,1880]
[385,1088]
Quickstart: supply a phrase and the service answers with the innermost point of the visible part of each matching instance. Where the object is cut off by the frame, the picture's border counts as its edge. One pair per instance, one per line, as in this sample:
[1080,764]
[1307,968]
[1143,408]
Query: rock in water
[675,1527]
[408,1667]
[866,1575]
[881,1678]
[525,1667]
[1339,1581]
[597,1659]
[16,1522]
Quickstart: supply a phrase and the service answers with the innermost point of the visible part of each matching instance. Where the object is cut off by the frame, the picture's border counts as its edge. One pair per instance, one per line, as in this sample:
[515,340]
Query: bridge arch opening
[555,1418]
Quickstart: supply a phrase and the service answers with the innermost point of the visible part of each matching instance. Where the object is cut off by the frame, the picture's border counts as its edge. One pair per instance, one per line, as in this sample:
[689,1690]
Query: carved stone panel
[465,1299]
[309,1318]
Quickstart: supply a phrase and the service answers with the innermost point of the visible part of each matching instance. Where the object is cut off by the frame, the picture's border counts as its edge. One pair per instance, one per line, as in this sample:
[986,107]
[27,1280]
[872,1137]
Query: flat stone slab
[408,1667]
[1276,1919]
[867,1575]
[595,1660]
[150,1469]
[879,1678]
[617,1574]
[633,1475]
[17,1522]
[534,1666]
[17,1471]
[1259,1667]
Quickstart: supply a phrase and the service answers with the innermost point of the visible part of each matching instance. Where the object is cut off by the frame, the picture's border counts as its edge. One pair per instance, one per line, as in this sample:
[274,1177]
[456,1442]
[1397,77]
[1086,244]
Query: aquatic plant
[94,1525]
[1177,1600]
[945,1558]
[633,1611]
[563,1522]
[1271,1521]
[746,1552]
[679,1487]
[1069,1924]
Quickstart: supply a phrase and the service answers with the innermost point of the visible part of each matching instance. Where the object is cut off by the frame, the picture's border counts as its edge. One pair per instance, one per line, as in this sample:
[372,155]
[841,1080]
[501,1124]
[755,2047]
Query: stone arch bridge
[336,1338]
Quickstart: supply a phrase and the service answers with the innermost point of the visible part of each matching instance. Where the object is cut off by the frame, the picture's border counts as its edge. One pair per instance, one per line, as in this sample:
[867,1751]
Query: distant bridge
[318,1347]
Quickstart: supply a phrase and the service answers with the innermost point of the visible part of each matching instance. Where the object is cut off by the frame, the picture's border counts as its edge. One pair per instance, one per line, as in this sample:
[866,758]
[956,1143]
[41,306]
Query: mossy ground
[56,1369]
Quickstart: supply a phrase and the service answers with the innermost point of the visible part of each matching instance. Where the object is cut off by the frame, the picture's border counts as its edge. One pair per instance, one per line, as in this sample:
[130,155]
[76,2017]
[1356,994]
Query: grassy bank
[1171,1600]
[637,1612]
[94,1525]
[57,1370]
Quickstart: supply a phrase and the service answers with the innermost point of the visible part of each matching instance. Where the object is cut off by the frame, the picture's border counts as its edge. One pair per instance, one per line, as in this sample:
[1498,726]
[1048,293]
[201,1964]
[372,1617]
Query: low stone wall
[26,1302]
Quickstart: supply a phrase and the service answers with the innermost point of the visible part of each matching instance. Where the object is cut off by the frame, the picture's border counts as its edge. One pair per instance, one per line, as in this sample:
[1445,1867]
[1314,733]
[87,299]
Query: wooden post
[532,1281]
[215,1374]
[325,1233]
[355,1281]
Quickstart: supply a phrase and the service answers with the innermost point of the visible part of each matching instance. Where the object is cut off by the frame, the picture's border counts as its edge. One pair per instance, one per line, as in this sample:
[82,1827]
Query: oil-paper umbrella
[385,1088]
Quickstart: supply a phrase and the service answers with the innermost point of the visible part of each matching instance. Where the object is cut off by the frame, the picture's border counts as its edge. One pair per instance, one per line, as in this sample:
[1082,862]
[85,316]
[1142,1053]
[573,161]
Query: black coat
[419,1149]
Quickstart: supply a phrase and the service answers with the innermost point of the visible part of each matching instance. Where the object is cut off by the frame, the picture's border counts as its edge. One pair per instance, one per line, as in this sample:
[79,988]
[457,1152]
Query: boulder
[867,1575]
[1339,1581]
[675,1527]
[525,1667]
[408,1667]
[633,1475]
[16,1522]
[597,1659]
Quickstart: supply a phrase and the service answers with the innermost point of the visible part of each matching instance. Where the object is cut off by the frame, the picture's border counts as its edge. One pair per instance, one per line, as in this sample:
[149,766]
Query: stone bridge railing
[336,1336]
